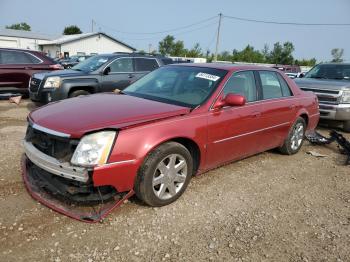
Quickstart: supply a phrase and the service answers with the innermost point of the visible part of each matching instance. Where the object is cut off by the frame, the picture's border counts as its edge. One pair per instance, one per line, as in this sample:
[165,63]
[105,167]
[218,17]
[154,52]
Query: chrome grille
[325,96]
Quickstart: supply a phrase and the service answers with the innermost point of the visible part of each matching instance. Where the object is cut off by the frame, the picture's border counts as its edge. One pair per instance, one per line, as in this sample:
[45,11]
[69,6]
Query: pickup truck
[100,73]
[331,83]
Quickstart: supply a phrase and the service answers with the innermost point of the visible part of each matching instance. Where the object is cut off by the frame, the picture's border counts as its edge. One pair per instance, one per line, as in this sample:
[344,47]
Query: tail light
[56,67]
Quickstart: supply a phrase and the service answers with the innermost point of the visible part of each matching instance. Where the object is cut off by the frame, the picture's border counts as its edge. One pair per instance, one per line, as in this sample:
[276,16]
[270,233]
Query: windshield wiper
[76,69]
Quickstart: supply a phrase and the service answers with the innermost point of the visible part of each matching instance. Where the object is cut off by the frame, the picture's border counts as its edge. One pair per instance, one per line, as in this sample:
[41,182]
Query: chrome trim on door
[249,133]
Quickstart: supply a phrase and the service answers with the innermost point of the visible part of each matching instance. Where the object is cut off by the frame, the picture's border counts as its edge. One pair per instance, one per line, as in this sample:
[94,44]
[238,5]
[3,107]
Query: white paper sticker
[207,76]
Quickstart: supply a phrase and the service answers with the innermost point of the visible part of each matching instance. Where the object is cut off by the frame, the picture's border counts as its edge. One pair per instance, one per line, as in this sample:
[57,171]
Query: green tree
[306,62]
[168,46]
[196,51]
[250,55]
[71,30]
[281,54]
[20,26]
[337,54]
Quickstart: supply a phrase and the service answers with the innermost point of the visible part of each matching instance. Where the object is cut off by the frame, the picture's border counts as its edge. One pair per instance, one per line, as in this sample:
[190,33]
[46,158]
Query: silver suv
[331,83]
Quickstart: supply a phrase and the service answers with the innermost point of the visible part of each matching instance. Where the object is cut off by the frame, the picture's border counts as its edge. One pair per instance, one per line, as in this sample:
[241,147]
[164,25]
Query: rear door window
[285,88]
[271,87]
[15,57]
[145,64]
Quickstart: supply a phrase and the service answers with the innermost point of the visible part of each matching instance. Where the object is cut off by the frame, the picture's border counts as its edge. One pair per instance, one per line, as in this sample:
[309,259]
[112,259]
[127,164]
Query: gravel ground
[268,207]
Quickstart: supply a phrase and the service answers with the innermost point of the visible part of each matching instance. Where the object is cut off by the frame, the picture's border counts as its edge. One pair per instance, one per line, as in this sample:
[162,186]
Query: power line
[159,32]
[285,23]
[175,34]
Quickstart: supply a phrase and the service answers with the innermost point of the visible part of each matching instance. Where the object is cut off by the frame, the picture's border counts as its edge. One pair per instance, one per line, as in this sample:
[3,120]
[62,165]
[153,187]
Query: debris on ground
[343,144]
[315,154]
[15,99]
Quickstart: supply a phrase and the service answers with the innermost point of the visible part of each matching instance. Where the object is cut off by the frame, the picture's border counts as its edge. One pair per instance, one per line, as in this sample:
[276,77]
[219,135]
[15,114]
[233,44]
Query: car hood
[322,83]
[80,115]
[60,73]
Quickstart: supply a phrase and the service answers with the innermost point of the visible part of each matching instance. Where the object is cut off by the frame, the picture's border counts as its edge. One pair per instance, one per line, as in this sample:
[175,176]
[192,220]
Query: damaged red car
[84,156]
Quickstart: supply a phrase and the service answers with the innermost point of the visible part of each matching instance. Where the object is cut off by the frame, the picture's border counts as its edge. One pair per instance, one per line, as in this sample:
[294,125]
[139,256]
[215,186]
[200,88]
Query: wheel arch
[189,144]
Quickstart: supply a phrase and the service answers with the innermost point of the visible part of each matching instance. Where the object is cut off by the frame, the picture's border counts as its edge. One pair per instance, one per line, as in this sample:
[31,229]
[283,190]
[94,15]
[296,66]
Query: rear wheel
[346,126]
[164,175]
[295,138]
[79,93]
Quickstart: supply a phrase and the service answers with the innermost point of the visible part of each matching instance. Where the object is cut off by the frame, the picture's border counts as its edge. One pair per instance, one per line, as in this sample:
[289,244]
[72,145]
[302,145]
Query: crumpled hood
[77,116]
[322,83]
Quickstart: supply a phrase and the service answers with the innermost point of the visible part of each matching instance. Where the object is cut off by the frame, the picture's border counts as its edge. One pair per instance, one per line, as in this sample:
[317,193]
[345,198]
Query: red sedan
[150,139]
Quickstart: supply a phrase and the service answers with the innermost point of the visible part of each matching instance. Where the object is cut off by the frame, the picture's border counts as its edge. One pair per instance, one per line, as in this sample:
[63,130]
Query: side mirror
[230,100]
[107,70]
[301,75]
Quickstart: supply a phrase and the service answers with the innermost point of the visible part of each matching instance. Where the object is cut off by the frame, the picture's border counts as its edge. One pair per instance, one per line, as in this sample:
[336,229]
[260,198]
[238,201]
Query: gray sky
[159,15]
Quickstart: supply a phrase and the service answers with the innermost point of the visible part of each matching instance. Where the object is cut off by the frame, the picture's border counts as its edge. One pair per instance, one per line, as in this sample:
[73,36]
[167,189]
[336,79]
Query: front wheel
[164,175]
[78,93]
[295,138]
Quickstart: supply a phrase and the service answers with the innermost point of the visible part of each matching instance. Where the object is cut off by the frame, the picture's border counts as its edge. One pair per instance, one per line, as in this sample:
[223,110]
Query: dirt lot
[268,207]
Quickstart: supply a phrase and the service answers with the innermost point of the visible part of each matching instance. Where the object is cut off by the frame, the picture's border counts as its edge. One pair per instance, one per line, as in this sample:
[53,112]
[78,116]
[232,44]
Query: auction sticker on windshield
[208,76]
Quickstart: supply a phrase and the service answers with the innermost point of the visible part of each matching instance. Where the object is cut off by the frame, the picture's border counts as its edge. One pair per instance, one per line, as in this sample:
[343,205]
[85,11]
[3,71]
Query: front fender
[134,144]
[86,83]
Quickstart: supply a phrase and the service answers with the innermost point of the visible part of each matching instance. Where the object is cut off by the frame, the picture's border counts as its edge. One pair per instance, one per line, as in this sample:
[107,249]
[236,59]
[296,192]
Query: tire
[78,93]
[155,184]
[295,138]
[346,126]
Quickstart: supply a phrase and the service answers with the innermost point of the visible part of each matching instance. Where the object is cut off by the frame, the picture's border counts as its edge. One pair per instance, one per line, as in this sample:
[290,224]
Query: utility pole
[218,39]
[92,25]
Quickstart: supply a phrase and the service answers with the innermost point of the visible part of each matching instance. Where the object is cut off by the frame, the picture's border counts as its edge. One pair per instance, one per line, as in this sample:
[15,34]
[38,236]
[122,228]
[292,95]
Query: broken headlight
[345,98]
[94,149]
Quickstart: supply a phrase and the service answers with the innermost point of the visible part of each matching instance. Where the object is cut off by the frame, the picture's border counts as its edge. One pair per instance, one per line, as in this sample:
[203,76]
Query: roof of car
[227,66]
[20,49]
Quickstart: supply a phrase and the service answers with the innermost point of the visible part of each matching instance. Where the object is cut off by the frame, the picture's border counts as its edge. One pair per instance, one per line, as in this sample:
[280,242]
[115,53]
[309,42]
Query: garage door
[8,43]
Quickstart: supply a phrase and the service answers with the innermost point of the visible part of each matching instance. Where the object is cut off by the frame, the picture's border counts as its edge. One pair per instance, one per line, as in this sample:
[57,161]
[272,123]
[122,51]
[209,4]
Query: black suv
[99,73]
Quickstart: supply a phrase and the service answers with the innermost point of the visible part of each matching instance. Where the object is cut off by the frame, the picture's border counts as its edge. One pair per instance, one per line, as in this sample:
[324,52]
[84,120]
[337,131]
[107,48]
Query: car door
[233,132]
[144,65]
[279,108]
[15,69]
[118,74]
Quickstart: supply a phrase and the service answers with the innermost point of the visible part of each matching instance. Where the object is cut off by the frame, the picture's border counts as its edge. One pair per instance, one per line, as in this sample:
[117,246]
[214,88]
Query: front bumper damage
[66,189]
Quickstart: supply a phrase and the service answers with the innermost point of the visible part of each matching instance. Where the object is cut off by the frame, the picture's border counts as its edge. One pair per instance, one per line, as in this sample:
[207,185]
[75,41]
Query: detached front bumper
[66,189]
[340,112]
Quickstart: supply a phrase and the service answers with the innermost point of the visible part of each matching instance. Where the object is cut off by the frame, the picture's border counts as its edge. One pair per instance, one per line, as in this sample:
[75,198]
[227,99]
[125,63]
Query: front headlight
[52,82]
[93,149]
[345,98]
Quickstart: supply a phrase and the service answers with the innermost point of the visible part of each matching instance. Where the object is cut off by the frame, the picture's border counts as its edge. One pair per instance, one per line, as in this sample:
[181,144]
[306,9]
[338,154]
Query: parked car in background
[175,122]
[99,73]
[331,83]
[18,65]
[288,68]
[292,75]
[73,60]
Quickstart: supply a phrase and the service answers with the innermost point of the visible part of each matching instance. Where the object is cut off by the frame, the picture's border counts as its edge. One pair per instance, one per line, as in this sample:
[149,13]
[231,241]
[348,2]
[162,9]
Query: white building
[84,44]
[10,38]
[68,45]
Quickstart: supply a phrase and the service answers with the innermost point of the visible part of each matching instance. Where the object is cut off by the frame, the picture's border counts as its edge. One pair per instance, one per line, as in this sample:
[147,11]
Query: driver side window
[242,83]
[121,65]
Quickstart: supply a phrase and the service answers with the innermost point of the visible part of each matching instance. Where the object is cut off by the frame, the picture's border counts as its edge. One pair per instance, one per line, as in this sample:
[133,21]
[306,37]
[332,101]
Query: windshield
[91,64]
[179,85]
[330,71]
